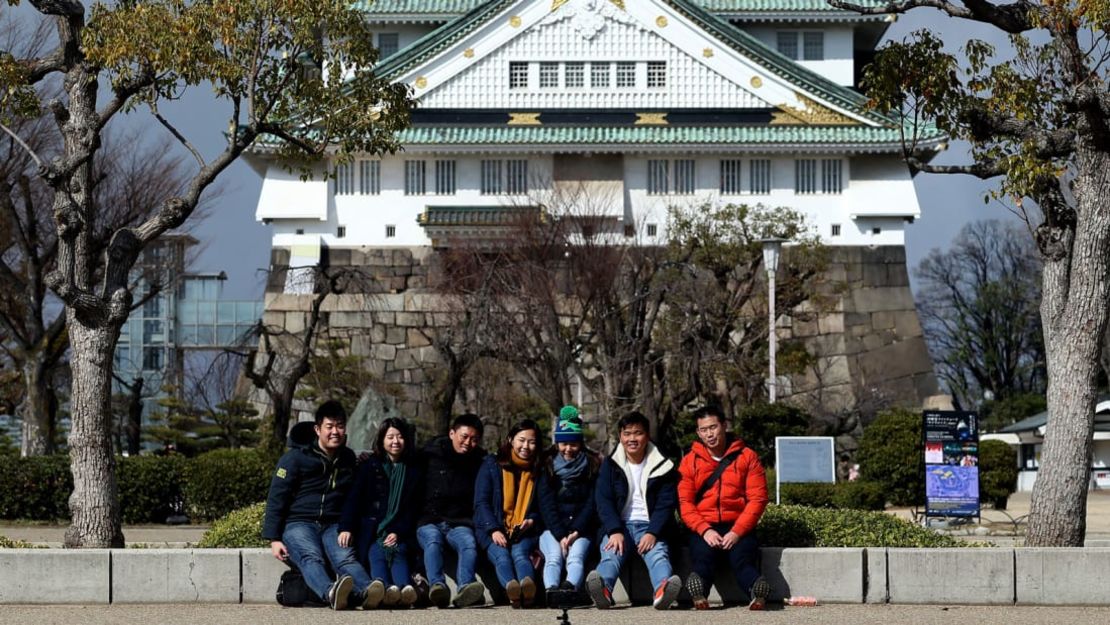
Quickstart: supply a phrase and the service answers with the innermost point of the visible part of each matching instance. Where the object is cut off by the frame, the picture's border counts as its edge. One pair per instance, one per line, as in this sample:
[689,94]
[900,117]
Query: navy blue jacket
[369,499]
[568,507]
[661,493]
[308,486]
[489,498]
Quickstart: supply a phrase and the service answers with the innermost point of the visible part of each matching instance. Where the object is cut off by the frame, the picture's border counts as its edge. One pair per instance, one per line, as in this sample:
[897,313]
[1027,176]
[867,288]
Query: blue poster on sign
[951,463]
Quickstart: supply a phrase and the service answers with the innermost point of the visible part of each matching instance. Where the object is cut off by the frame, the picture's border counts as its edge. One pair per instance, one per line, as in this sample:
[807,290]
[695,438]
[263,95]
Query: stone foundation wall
[870,350]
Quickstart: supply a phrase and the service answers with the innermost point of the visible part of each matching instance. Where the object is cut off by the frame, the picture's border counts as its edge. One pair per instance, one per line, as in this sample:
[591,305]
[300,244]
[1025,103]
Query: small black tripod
[564,619]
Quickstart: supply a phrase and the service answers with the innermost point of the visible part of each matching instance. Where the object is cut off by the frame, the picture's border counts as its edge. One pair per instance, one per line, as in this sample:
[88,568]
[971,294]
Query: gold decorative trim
[524,119]
[469,53]
[813,113]
[421,82]
[661,21]
[555,4]
[651,119]
[757,82]
[515,21]
[707,53]
[618,3]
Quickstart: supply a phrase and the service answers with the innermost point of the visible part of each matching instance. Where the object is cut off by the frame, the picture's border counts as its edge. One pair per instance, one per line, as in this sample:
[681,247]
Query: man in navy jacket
[306,499]
[636,498]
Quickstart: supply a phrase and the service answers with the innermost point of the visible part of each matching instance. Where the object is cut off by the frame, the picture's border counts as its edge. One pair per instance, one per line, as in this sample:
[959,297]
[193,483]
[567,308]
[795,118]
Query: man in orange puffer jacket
[722,508]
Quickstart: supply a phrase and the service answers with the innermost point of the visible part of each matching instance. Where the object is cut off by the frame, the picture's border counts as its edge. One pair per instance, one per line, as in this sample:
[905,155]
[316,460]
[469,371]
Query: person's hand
[363,457]
[616,543]
[278,549]
[645,544]
[729,540]
[526,524]
[567,541]
[390,540]
[712,538]
[344,539]
[499,539]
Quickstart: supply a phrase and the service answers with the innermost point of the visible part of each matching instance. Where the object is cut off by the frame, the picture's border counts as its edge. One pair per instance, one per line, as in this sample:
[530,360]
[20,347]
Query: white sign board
[804,459]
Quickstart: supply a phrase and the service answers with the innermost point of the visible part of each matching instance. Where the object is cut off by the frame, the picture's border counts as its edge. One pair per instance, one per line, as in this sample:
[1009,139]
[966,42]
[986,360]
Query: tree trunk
[93,506]
[135,417]
[37,428]
[281,410]
[1074,317]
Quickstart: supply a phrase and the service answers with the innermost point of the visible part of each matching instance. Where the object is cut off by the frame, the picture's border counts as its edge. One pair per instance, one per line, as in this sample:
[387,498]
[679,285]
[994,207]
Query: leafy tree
[997,414]
[1037,117]
[335,374]
[998,473]
[979,306]
[296,74]
[236,423]
[891,453]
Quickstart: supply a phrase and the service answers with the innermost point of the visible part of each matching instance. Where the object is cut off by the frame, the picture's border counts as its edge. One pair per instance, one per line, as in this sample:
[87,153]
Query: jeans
[553,560]
[657,559]
[390,566]
[309,543]
[514,561]
[742,558]
[461,538]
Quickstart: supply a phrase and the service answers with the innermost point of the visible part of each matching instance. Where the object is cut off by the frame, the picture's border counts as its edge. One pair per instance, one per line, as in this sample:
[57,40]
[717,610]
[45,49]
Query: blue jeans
[461,538]
[309,544]
[657,559]
[553,560]
[391,568]
[514,561]
[742,558]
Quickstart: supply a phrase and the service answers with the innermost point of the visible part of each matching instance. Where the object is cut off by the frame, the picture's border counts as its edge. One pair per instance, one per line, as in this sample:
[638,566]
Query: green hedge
[891,454]
[8,543]
[240,529]
[998,473]
[799,526]
[224,480]
[212,484]
[857,495]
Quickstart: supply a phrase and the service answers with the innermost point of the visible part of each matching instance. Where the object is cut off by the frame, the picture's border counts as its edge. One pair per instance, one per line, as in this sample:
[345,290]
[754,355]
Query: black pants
[743,558]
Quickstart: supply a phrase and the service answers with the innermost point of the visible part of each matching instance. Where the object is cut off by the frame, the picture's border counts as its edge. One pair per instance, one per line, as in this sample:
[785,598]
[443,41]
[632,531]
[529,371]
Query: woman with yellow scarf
[506,519]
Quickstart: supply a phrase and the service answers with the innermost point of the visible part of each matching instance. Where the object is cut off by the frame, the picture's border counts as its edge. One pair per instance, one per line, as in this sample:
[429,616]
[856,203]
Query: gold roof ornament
[515,21]
[661,21]
[757,82]
[421,82]
[707,53]
[812,114]
[651,119]
[524,119]
[469,53]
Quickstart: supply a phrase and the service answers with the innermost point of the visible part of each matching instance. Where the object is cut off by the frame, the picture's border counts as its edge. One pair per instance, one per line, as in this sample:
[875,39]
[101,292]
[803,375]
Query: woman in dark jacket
[379,513]
[566,491]
[506,521]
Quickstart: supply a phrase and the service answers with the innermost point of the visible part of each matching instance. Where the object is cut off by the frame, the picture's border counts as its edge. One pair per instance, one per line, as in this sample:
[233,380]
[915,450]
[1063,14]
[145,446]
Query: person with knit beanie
[568,470]
[506,520]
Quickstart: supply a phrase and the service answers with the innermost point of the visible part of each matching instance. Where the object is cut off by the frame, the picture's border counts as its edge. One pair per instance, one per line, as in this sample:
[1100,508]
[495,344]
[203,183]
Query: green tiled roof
[446,35]
[459,7]
[774,135]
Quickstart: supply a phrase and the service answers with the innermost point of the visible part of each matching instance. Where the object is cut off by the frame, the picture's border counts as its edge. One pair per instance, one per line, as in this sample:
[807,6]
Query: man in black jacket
[448,509]
[306,499]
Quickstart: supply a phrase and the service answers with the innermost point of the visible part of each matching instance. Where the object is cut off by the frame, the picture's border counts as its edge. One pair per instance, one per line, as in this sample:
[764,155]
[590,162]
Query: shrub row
[210,485]
[781,526]
[857,495]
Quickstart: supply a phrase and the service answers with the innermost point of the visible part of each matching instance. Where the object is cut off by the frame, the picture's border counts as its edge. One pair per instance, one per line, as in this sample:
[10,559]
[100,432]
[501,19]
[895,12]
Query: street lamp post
[772,248]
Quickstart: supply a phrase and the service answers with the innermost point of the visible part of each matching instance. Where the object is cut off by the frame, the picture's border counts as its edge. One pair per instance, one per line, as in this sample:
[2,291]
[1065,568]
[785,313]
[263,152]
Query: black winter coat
[449,483]
[568,507]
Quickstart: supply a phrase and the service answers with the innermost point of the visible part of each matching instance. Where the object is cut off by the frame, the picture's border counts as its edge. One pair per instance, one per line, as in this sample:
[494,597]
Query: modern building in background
[183,312]
[646,105]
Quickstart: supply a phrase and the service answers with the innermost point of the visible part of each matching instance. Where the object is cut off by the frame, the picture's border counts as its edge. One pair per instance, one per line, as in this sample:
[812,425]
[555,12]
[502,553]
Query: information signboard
[951,463]
[804,459]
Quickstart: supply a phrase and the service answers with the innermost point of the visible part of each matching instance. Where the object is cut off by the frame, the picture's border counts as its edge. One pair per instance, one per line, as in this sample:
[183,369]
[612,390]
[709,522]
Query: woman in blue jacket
[379,515]
[505,517]
[568,471]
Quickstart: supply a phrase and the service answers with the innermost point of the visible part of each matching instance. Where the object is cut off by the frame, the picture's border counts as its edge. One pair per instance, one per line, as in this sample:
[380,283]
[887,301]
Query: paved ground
[838,615]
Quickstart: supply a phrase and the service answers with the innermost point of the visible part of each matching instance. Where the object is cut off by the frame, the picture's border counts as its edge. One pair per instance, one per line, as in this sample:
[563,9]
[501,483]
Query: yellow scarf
[517,494]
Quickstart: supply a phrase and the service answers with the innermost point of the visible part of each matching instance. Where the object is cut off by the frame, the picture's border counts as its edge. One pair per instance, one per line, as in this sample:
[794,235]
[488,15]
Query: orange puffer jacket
[739,496]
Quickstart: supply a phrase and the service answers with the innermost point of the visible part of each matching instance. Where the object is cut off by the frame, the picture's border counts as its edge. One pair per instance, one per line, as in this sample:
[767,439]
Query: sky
[235,243]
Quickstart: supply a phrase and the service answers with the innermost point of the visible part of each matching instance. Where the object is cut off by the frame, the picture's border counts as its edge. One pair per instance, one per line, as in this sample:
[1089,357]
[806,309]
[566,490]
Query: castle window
[657,74]
[759,179]
[805,176]
[388,44]
[344,179]
[657,177]
[599,75]
[369,177]
[491,178]
[549,75]
[517,178]
[575,75]
[801,46]
[787,43]
[415,178]
[390,231]
[340,232]
[831,179]
[684,177]
[626,74]
[652,230]
[730,177]
[445,177]
[813,46]
[518,75]
[835,230]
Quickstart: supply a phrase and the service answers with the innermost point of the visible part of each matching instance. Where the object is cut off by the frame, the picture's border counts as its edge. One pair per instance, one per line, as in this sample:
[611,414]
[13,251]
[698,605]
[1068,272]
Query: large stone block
[1046,576]
[951,576]
[261,572]
[409,319]
[877,591]
[831,575]
[876,299]
[175,576]
[55,576]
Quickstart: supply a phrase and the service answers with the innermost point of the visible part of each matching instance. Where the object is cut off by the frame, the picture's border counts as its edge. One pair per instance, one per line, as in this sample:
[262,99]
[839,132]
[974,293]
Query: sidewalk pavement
[160,536]
[819,615]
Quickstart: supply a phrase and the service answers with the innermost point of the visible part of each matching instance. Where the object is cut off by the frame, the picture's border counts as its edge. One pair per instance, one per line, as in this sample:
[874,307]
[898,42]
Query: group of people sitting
[364,521]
